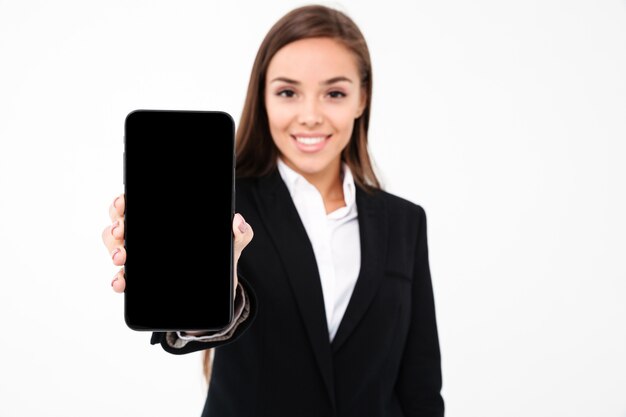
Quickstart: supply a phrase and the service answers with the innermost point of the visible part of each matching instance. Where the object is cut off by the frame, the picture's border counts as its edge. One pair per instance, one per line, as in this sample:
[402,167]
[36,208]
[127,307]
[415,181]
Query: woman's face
[312,95]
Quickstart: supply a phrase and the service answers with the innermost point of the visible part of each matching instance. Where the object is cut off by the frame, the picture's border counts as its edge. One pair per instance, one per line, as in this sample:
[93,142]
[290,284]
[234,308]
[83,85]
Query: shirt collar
[294,181]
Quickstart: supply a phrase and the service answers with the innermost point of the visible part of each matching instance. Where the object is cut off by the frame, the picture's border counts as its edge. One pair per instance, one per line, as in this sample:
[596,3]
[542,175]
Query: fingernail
[115,201]
[117,223]
[115,252]
[114,279]
[243,226]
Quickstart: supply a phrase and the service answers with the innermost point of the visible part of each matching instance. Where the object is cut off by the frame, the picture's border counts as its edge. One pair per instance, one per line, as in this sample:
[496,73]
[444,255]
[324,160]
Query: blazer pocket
[399,275]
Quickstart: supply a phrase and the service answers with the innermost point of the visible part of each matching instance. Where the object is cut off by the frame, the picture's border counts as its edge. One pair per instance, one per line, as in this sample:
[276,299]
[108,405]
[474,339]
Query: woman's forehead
[313,60]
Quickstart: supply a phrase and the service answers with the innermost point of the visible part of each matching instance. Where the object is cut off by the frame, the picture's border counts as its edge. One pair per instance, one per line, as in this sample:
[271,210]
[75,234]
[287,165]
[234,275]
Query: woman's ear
[362,103]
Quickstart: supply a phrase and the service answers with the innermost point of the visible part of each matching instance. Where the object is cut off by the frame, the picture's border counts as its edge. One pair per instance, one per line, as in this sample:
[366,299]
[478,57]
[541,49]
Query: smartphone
[179,184]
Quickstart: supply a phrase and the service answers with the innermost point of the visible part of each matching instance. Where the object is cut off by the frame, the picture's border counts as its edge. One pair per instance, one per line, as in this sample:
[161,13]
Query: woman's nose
[310,113]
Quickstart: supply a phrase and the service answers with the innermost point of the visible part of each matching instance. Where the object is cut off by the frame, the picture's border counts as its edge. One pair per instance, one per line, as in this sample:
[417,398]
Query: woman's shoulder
[404,216]
[397,203]
[252,181]
[248,186]
[246,182]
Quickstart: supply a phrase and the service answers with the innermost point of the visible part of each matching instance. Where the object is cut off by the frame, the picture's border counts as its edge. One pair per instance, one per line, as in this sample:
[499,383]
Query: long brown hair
[256,152]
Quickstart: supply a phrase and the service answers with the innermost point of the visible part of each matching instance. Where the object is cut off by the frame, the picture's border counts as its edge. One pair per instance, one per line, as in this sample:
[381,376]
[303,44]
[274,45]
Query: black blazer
[384,360]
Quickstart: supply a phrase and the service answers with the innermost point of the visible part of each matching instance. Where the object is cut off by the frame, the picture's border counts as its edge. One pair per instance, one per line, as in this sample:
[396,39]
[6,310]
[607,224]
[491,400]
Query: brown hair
[256,151]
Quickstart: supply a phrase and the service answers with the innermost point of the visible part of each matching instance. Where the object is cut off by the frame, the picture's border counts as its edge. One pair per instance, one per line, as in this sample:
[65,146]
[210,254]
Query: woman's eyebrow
[285,80]
[327,82]
[336,80]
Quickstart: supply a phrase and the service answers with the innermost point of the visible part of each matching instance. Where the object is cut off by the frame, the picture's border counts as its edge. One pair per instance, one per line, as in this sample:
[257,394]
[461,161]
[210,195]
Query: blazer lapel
[289,235]
[372,216]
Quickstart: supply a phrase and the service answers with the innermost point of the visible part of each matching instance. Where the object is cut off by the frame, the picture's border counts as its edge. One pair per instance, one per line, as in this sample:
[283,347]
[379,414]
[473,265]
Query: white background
[505,120]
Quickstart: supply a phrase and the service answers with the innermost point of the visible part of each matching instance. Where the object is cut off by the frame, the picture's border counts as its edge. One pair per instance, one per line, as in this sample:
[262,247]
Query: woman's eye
[286,93]
[336,94]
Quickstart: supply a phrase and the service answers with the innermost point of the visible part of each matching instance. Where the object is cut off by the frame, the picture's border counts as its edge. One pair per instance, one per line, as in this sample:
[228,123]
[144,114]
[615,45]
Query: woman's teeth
[310,141]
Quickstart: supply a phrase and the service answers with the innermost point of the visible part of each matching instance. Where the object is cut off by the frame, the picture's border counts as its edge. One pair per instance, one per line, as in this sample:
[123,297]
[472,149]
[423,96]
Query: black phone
[179,184]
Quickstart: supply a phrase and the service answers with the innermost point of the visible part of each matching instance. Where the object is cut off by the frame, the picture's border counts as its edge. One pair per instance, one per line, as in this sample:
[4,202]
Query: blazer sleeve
[420,379]
[168,340]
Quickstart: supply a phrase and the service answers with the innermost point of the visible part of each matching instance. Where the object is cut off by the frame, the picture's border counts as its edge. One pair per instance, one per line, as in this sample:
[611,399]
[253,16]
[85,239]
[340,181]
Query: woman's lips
[310,143]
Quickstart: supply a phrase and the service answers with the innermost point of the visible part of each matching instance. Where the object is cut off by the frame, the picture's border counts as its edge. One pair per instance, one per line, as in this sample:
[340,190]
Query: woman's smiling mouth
[310,142]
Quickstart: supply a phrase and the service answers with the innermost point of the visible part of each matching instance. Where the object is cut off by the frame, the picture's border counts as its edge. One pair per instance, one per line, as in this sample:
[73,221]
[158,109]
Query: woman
[335,309]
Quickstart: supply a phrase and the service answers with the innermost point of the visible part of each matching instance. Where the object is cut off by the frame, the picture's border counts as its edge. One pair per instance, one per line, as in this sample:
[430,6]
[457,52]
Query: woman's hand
[113,238]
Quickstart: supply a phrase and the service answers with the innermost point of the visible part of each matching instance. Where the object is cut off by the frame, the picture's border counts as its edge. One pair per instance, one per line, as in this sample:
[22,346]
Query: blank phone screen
[179,189]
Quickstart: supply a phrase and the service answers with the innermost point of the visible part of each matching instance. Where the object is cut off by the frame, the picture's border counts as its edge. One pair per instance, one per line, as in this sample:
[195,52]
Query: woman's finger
[116,209]
[118,255]
[116,230]
[243,234]
[119,282]
[113,235]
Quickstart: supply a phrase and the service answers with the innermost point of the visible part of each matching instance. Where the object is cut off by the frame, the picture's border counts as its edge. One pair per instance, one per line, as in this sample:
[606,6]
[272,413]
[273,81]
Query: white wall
[506,121]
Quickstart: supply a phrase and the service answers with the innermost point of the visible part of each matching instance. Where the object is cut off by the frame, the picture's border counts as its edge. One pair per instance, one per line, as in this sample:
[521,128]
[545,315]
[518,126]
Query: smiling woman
[313,95]
[335,313]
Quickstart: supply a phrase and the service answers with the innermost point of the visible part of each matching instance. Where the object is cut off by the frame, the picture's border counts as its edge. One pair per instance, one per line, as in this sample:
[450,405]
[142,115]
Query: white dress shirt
[335,239]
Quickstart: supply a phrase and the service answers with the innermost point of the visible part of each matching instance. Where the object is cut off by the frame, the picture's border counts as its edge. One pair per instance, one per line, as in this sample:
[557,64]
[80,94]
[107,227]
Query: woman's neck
[329,183]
